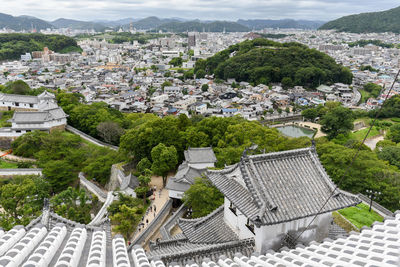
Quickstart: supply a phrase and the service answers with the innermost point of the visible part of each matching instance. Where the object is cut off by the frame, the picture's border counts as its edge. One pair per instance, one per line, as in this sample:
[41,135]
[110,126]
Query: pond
[295,131]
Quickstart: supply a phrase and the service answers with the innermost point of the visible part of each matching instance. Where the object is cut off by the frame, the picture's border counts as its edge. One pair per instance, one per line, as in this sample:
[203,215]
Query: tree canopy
[202,197]
[264,61]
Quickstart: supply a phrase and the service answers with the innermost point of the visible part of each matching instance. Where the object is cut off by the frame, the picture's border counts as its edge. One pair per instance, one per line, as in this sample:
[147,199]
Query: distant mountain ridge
[23,23]
[259,24]
[384,21]
[78,25]
[174,24]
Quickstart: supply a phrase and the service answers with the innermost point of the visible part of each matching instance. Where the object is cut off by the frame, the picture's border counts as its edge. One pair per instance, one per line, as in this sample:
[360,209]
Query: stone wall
[18,109]
[113,183]
[58,128]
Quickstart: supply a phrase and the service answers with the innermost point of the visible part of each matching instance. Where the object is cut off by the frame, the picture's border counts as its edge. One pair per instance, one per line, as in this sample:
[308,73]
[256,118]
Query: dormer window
[232,208]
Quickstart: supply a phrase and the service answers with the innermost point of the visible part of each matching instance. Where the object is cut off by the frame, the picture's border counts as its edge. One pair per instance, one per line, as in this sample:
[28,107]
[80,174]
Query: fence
[142,238]
[92,187]
[379,208]
[171,222]
[25,171]
[90,138]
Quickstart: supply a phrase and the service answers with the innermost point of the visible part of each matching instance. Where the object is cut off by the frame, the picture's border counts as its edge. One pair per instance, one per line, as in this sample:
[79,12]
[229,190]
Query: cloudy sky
[190,9]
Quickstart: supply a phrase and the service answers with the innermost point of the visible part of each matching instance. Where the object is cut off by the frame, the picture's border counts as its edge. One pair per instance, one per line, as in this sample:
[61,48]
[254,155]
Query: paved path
[15,158]
[159,201]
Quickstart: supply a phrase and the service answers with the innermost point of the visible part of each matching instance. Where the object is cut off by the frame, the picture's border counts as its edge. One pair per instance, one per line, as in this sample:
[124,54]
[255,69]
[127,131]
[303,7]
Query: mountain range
[384,21]
[167,24]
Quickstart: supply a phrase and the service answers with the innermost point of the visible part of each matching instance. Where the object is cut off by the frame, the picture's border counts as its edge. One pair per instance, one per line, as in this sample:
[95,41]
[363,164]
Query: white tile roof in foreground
[68,244]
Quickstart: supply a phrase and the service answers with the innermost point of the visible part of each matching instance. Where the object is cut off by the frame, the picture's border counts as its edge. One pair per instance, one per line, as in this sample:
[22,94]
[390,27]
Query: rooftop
[280,186]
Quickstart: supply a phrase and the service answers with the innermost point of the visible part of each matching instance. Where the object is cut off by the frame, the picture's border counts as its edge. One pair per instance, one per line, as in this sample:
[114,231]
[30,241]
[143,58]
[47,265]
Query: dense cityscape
[177,142]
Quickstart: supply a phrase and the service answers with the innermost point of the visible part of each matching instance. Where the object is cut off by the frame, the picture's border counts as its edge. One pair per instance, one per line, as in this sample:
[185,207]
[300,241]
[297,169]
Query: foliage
[384,21]
[368,172]
[164,159]
[144,180]
[72,204]
[22,200]
[8,165]
[176,62]
[373,89]
[166,83]
[143,164]
[228,137]
[394,133]
[390,154]
[125,214]
[360,216]
[202,197]
[310,114]
[204,87]
[110,132]
[360,135]
[264,61]
[19,87]
[369,68]
[337,121]
[362,43]
[13,45]
[63,155]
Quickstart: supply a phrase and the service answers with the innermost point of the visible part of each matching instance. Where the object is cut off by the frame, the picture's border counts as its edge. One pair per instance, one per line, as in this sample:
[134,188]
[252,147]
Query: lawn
[360,216]
[359,135]
[8,165]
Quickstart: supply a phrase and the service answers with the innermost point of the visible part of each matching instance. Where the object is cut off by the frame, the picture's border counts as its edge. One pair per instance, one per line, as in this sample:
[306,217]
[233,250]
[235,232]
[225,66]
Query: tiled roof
[279,187]
[19,98]
[38,116]
[200,155]
[209,229]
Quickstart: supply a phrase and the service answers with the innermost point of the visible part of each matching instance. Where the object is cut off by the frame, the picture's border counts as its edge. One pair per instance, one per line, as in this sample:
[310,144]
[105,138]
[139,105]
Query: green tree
[390,154]
[176,62]
[59,175]
[22,200]
[164,159]
[144,180]
[204,87]
[72,204]
[125,220]
[166,83]
[337,121]
[143,164]
[310,114]
[110,132]
[200,74]
[394,133]
[203,197]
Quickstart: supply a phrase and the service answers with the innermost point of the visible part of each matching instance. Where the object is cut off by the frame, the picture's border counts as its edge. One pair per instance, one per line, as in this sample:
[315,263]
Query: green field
[364,96]
[8,165]
[360,216]
[359,135]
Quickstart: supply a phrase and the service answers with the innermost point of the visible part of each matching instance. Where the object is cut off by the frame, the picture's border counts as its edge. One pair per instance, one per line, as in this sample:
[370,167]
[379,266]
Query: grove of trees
[13,45]
[265,61]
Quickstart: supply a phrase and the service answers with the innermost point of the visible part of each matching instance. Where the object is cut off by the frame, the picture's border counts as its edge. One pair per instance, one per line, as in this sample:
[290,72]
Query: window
[17,104]
[250,226]
[18,131]
[31,105]
[232,208]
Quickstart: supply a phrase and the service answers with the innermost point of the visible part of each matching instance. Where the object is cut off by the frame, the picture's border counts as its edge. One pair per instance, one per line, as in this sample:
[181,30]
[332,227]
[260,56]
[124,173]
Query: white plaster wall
[175,194]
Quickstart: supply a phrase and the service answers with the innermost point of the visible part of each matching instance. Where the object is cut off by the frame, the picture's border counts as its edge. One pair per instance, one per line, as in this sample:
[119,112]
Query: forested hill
[22,23]
[385,21]
[264,61]
[13,45]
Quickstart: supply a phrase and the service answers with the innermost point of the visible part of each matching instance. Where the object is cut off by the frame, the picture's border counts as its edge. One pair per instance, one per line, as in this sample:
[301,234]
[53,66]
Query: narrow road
[371,142]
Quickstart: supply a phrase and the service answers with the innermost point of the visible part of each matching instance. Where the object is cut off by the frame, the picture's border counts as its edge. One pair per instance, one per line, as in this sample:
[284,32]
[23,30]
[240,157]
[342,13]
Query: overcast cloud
[191,9]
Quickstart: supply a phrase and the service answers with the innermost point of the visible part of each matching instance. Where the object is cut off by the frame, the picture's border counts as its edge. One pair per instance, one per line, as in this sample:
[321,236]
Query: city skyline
[89,10]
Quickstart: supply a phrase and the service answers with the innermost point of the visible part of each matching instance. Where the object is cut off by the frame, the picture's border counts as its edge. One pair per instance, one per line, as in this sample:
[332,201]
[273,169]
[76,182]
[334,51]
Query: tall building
[191,40]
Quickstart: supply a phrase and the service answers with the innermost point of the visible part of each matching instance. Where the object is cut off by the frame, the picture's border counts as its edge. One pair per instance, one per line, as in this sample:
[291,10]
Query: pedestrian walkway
[158,201]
